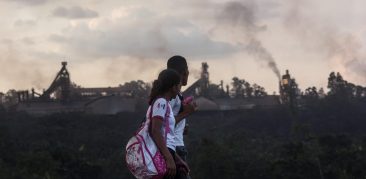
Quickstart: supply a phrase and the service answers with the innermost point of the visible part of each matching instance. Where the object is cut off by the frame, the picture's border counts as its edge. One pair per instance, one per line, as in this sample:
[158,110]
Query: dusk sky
[107,43]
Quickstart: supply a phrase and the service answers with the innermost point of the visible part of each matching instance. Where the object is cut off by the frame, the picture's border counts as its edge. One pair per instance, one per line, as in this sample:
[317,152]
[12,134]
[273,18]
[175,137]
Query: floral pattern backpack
[143,158]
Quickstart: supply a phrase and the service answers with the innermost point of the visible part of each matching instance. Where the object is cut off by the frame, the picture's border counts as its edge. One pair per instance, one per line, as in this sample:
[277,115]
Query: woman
[166,87]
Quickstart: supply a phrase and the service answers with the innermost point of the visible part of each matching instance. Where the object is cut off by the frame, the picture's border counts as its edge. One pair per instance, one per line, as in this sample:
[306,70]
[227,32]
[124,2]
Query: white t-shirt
[179,128]
[159,111]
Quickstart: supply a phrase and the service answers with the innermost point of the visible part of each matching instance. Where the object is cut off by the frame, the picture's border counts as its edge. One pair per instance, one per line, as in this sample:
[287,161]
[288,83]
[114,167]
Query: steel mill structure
[64,96]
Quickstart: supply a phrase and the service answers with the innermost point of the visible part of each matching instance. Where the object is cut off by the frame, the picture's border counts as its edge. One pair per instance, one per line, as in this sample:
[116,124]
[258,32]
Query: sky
[110,42]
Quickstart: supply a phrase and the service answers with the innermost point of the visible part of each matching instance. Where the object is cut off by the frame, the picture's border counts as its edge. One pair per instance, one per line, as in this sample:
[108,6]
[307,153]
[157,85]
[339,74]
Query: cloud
[6,41]
[148,37]
[75,12]
[21,23]
[28,41]
[242,15]
[30,2]
[245,31]
[57,38]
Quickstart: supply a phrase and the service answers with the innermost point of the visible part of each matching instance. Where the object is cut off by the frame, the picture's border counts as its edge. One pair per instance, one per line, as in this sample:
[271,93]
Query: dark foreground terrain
[324,140]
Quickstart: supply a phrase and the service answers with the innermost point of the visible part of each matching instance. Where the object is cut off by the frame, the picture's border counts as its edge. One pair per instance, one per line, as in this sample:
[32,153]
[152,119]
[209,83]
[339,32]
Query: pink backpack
[143,158]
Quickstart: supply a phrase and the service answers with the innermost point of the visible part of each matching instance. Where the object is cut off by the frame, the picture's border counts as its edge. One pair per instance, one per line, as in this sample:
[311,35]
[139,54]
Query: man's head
[179,64]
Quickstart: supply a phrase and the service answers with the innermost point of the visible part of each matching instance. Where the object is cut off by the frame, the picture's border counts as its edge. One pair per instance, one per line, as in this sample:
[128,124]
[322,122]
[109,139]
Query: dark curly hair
[166,80]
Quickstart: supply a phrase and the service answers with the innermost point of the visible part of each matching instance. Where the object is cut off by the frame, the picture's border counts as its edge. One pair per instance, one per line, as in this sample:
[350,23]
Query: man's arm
[188,109]
[181,164]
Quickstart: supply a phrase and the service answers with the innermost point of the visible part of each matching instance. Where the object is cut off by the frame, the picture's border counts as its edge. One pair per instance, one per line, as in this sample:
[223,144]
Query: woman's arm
[156,124]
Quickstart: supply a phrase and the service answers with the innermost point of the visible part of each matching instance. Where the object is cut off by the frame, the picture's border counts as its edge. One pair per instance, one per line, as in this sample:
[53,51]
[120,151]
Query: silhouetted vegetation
[243,89]
[260,143]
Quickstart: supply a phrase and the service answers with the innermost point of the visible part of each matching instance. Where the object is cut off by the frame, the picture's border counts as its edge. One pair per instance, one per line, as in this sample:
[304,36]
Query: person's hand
[183,166]
[188,100]
[171,168]
[189,108]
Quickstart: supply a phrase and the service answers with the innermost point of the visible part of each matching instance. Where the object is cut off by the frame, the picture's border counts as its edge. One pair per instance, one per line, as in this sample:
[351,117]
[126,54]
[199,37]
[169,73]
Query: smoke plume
[19,74]
[343,50]
[242,16]
[256,49]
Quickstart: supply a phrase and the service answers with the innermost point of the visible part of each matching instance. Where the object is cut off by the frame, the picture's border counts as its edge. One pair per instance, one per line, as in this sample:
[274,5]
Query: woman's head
[168,83]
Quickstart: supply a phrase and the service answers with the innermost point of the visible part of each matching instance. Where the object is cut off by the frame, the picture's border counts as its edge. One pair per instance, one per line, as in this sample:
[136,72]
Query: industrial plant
[64,96]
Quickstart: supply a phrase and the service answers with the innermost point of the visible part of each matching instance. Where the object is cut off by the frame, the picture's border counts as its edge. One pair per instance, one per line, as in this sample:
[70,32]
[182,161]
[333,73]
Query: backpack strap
[166,118]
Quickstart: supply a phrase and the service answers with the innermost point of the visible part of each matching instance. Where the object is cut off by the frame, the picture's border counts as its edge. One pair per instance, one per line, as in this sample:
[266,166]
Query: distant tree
[360,91]
[342,89]
[2,98]
[311,92]
[243,89]
[332,84]
[321,93]
[11,97]
[216,91]
[137,88]
[248,90]
[259,91]
[238,88]
[338,86]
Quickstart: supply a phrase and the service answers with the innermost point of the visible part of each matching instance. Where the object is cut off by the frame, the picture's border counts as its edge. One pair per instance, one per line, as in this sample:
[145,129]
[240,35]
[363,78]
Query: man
[180,110]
